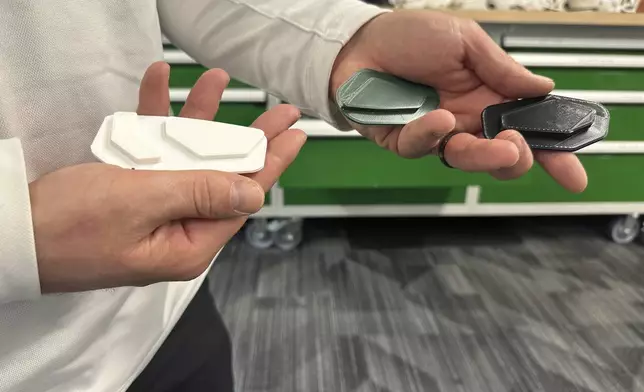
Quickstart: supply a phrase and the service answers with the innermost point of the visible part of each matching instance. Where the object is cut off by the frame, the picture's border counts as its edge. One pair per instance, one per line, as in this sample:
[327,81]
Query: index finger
[565,168]
[497,69]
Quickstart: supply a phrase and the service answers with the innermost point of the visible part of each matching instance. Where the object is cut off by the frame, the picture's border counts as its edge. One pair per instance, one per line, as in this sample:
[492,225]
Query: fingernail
[301,138]
[517,140]
[544,78]
[246,197]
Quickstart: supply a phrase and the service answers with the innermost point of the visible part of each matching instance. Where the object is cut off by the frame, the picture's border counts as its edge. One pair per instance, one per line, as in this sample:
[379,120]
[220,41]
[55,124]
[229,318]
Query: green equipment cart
[592,56]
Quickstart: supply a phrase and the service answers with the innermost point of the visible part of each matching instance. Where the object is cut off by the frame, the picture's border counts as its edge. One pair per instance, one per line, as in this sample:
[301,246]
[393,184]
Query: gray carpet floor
[468,305]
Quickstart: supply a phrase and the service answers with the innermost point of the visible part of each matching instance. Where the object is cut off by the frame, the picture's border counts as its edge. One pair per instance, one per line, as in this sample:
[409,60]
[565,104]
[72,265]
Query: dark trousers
[196,356]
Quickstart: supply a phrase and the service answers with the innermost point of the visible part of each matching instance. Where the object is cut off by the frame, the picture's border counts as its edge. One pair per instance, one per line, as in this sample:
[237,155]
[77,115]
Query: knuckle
[469,30]
[470,25]
[510,135]
[276,161]
[211,193]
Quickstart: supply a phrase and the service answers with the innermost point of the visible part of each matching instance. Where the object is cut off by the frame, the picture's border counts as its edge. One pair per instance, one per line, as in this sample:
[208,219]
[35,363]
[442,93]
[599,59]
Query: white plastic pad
[177,143]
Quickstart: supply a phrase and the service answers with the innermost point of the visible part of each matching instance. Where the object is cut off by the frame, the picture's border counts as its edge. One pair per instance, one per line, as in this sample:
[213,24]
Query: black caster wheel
[625,229]
[258,235]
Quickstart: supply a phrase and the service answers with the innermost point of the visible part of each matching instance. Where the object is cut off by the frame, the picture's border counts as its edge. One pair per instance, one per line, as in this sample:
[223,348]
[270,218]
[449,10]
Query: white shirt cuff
[353,16]
[18,266]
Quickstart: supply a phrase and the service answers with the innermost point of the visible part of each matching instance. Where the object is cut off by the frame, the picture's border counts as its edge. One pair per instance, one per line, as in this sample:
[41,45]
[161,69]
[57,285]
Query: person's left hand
[470,72]
[99,226]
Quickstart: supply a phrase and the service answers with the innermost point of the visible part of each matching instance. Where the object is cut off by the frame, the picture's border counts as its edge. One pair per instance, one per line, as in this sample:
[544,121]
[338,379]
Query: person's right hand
[470,72]
[100,226]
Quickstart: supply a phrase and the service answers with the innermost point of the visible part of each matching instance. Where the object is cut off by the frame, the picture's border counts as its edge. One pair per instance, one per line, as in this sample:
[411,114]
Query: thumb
[204,194]
[497,69]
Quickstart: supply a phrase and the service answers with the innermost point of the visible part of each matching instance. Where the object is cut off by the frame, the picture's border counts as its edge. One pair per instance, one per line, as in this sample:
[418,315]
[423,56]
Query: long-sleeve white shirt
[64,66]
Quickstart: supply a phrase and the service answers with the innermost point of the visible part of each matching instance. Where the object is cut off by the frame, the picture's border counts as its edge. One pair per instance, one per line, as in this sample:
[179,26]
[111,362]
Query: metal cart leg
[625,229]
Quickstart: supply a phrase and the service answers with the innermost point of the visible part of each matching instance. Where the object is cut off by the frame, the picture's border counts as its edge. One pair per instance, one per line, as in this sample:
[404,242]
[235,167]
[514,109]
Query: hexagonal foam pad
[174,143]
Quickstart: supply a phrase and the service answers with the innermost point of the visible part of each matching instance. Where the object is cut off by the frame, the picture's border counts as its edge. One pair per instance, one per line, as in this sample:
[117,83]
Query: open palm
[194,242]
[470,72]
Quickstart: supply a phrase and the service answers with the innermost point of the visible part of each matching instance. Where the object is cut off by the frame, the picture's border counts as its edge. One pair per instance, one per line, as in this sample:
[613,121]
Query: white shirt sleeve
[18,266]
[285,47]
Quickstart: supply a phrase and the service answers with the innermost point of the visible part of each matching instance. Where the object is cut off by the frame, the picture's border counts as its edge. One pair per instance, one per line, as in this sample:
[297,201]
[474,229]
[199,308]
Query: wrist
[354,55]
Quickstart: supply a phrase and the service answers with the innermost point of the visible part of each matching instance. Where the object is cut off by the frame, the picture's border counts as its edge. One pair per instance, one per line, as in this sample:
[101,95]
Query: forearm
[18,267]
[282,46]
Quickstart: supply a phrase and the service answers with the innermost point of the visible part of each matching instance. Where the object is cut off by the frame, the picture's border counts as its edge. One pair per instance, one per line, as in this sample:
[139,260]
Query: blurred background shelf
[585,18]
[589,55]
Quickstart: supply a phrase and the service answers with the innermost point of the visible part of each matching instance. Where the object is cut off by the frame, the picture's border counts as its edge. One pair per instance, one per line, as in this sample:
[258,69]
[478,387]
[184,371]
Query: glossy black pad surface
[550,122]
